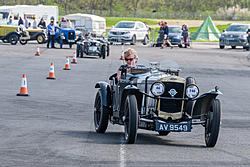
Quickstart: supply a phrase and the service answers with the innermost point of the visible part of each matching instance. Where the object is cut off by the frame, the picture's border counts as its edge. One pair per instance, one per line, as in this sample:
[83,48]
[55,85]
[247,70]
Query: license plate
[71,40]
[174,127]
[93,49]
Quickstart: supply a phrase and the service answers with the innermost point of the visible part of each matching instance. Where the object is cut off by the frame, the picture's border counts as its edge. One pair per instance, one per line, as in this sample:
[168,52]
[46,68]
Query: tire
[103,52]
[101,114]
[212,126]
[233,47]
[133,40]
[131,119]
[70,46]
[81,51]
[180,45]
[13,39]
[23,42]
[222,46]
[163,133]
[40,39]
[5,41]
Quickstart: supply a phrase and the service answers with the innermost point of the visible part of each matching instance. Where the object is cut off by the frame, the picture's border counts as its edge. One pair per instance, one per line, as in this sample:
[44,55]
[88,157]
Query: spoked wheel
[212,126]
[101,114]
[131,119]
[40,39]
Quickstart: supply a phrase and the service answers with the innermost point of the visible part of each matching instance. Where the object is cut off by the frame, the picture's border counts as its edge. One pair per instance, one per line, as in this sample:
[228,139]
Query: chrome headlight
[192,91]
[157,89]
[126,32]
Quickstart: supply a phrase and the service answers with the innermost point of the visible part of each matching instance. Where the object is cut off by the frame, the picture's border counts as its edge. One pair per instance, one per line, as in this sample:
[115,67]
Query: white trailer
[90,23]
[39,11]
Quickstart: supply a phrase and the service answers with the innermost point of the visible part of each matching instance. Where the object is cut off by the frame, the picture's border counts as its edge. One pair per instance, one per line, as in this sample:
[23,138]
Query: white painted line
[122,152]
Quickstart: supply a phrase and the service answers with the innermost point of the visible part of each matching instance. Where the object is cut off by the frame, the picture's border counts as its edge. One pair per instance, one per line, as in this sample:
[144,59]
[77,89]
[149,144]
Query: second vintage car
[155,98]
[38,35]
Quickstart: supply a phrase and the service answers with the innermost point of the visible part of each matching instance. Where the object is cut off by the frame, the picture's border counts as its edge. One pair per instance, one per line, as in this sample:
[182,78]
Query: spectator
[185,34]
[51,34]
[26,22]
[20,21]
[10,21]
[248,39]
[165,40]
[62,21]
[34,24]
[42,24]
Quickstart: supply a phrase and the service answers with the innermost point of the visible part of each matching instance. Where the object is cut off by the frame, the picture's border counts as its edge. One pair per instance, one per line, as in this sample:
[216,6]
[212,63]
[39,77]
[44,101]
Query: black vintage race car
[155,98]
[92,47]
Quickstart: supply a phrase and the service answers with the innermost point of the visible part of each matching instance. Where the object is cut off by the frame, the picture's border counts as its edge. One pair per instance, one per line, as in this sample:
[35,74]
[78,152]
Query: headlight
[243,36]
[192,91]
[126,32]
[222,35]
[62,34]
[157,89]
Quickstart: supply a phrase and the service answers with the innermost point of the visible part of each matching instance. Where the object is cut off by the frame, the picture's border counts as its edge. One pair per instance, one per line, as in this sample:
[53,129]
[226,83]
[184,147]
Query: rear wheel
[103,52]
[145,41]
[13,39]
[40,39]
[77,50]
[101,114]
[70,45]
[131,119]
[212,126]
[233,47]
[108,50]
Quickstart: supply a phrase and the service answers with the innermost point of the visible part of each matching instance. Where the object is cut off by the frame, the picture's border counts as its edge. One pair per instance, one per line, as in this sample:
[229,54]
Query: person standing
[165,40]
[51,34]
[10,21]
[20,21]
[42,24]
[248,39]
[185,34]
[26,22]
[34,24]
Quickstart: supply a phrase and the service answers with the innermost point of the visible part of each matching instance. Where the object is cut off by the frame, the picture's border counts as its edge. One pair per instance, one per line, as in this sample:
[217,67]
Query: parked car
[12,34]
[129,32]
[92,47]
[175,37]
[156,98]
[65,36]
[39,35]
[234,35]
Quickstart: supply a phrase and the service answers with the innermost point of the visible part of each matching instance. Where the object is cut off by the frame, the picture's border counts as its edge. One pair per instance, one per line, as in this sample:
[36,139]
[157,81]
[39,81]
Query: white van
[88,23]
[30,11]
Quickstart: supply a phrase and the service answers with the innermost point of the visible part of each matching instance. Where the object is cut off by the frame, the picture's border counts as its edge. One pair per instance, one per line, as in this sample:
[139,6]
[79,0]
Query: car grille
[118,33]
[71,35]
[232,36]
[172,106]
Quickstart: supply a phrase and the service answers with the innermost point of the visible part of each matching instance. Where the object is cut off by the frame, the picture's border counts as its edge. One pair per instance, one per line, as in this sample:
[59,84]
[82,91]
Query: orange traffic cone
[122,54]
[74,61]
[23,88]
[51,71]
[37,51]
[67,67]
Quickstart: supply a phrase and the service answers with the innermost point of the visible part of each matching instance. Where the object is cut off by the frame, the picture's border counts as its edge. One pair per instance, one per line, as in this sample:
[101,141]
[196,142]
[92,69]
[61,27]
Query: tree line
[139,8]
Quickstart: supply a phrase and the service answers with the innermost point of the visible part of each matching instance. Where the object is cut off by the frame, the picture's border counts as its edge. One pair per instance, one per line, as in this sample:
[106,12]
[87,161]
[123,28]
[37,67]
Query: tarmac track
[54,125]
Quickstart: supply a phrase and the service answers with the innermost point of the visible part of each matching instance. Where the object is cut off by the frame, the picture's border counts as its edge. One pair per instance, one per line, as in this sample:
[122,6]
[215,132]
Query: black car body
[157,99]
[34,34]
[92,47]
[175,37]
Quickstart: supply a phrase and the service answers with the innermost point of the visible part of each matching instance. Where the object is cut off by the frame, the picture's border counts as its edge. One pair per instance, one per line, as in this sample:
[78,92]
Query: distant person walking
[51,34]
[165,40]
[185,34]
[20,21]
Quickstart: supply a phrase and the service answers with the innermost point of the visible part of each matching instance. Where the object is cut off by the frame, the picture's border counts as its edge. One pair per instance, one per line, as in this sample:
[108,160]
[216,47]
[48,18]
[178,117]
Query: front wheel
[233,47]
[212,126]
[145,41]
[70,45]
[131,119]
[23,42]
[101,114]
[77,50]
[133,40]
[103,52]
[222,46]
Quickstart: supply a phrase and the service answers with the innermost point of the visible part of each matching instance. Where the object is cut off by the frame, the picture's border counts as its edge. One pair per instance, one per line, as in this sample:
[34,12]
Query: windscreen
[125,25]
[174,29]
[241,28]
[4,15]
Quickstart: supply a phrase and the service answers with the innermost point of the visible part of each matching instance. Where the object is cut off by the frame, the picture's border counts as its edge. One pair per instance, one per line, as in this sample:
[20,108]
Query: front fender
[203,103]
[105,91]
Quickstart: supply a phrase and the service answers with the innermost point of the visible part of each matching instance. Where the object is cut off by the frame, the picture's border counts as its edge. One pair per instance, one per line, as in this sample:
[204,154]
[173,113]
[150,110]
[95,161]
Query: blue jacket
[51,29]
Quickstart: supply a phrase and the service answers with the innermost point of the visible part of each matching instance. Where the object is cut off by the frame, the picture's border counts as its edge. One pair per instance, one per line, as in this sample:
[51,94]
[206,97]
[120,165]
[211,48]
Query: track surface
[54,125]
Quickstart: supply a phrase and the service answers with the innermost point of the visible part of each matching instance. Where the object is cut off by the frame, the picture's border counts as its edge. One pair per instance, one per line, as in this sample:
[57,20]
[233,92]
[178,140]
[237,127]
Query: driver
[131,58]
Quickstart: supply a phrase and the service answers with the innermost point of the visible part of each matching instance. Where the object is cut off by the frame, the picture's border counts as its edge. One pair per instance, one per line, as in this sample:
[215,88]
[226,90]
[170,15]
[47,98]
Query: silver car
[234,35]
